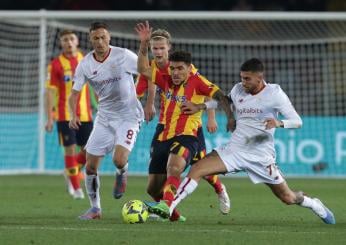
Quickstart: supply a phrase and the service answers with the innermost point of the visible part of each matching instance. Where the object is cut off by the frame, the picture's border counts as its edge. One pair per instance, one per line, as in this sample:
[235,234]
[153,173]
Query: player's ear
[189,68]
[260,76]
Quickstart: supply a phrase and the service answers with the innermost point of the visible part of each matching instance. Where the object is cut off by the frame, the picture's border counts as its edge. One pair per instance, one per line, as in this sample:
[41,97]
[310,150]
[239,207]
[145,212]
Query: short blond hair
[66,32]
[161,34]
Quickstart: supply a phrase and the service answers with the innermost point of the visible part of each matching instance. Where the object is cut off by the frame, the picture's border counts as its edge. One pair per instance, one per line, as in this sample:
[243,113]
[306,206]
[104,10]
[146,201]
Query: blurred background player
[177,142]
[58,89]
[160,45]
[109,70]
[257,105]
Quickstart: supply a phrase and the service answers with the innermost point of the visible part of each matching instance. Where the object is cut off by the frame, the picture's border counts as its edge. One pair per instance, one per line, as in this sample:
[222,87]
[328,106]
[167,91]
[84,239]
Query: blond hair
[161,34]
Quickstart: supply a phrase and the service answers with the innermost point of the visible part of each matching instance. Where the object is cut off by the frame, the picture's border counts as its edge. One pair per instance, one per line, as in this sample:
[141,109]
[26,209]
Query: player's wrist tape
[210,104]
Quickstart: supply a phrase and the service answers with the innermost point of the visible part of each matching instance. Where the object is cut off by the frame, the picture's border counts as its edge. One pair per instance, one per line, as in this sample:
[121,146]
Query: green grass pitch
[36,209]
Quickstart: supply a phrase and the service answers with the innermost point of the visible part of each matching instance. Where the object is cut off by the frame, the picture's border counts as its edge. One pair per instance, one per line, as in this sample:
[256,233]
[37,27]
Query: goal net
[304,53]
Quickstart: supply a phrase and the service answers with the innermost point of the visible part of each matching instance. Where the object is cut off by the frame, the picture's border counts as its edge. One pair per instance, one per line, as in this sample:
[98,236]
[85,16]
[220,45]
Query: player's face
[159,49]
[69,43]
[100,39]
[251,81]
[179,71]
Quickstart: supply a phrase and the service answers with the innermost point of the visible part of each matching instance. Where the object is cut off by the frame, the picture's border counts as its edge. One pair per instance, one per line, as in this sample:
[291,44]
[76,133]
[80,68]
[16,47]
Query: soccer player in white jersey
[109,70]
[251,148]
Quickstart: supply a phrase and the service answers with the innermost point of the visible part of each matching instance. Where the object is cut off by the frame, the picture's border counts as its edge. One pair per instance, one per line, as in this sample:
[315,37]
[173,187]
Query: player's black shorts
[185,146]
[202,149]
[69,136]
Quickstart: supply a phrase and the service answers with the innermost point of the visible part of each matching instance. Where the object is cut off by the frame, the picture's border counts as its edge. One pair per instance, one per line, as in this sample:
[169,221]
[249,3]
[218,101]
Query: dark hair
[97,25]
[66,32]
[253,65]
[180,56]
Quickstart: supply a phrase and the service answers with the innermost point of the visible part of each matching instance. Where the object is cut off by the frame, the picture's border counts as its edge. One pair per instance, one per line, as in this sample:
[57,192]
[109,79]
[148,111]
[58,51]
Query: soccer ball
[134,211]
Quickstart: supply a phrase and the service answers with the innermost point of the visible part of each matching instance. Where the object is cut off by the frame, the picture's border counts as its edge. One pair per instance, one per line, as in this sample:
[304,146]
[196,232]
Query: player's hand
[189,108]
[212,125]
[149,112]
[272,123]
[231,124]
[74,123]
[49,125]
[144,31]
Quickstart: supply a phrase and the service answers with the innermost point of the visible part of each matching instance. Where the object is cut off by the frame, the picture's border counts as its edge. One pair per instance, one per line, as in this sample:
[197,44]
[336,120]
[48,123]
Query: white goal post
[304,52]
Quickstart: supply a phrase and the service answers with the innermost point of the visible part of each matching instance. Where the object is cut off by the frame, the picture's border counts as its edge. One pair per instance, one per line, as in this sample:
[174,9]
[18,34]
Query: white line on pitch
[141,229]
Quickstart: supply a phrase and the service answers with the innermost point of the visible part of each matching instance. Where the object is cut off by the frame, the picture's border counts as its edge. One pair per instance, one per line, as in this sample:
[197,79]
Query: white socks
[92,184]
[315,205]
[186,187]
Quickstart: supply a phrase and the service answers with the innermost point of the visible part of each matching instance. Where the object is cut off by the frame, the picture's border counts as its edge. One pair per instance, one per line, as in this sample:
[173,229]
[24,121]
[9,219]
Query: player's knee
[90,169]
[174,170]
[120,160]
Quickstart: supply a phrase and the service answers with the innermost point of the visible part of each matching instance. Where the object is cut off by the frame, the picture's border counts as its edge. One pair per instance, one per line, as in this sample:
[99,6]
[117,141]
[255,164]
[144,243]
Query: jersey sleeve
[130,62]
[284,106]
[79,78]
[141,85]
[205,87]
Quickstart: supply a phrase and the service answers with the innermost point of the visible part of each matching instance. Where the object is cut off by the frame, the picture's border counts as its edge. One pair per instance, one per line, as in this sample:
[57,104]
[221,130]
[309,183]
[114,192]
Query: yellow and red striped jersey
[194,89]
[60,76]
[142,85]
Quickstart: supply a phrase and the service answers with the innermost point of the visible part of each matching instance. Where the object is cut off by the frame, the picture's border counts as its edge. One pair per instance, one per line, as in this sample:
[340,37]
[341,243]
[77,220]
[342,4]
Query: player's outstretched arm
[190,108]
[224,103]
[144,32]
[149,109]
[72,102]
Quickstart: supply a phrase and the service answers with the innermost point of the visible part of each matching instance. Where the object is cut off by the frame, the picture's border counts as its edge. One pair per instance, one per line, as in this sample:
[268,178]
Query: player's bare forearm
[223,103]
[144,32]
[143,60]
[149,109]
[49,103]
[226,107]
[49,109]
[72,102]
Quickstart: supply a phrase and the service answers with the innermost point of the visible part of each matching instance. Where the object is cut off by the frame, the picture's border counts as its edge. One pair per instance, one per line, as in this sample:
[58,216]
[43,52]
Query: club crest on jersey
[67,78]
[94,72]
[240,100]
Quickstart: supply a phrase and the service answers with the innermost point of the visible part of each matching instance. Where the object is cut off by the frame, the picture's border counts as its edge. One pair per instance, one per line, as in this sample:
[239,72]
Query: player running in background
[177,140]
[160,44]
[109,70]
[251,148]
[58,89]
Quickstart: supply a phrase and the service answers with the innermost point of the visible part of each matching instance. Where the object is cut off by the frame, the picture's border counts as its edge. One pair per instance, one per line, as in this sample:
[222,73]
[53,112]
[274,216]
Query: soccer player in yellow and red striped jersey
[59,83]
[176,143]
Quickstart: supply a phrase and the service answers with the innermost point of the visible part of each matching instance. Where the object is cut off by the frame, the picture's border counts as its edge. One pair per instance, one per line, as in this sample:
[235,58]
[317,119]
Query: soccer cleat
[224,201]
[160,208]
[328,218]
[78,194]
[180,219]
[119,185]
[92,213]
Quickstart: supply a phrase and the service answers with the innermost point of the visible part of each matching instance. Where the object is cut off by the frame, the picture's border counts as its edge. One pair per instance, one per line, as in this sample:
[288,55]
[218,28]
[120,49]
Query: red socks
[214,180]
[71,168]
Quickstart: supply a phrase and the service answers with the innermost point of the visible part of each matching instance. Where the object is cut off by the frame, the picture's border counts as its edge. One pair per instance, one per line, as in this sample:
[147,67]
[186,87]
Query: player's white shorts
[107,134]
[260,169]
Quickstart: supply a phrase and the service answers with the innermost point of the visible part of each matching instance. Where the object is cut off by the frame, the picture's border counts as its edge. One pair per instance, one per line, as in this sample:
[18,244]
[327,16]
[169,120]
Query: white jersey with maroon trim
[112,80]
